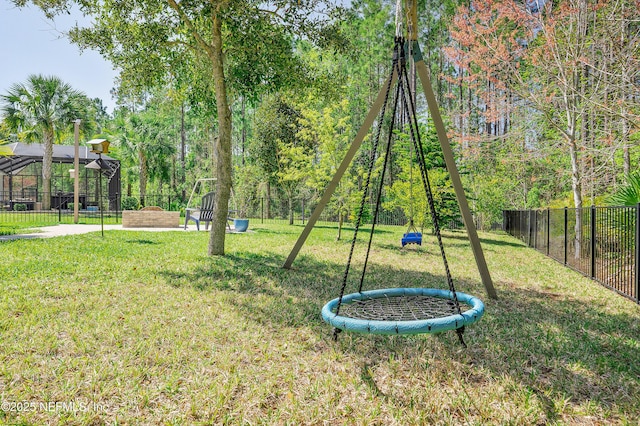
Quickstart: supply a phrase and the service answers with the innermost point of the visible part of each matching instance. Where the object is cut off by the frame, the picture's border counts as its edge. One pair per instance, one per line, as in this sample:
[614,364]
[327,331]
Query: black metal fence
[600,242]
[302,210]
[27,210]
[262,210]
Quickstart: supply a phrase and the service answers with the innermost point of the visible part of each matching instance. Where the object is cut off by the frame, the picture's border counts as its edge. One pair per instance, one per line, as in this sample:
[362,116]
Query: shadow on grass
[427,248]
[249,277]
[141,241]
[347,228]
[450,240]
[556,347]
[485,241]
[263,229]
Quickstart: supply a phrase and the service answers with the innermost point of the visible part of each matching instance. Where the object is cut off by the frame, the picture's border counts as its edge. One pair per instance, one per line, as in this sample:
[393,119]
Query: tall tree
[245,45]
[540,52]
[279,150]
[144,142]
[329,130]
[40,110]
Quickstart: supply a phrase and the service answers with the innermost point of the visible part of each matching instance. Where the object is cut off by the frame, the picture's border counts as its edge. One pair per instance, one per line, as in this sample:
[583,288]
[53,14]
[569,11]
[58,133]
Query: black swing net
[399,310]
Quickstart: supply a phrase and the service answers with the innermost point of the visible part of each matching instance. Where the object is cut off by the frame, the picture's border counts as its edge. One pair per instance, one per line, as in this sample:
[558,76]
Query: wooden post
[76,166]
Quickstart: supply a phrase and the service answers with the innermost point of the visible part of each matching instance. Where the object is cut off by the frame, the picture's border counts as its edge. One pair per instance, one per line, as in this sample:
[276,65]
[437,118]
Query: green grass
[152,331]
[11,228]
[20,222]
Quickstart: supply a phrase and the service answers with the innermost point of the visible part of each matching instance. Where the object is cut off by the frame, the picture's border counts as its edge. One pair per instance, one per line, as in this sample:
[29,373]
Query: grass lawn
[20,222]
[11,228]
[144,328]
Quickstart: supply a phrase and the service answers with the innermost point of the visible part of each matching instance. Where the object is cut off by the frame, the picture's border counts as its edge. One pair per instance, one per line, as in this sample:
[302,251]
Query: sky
[32,44]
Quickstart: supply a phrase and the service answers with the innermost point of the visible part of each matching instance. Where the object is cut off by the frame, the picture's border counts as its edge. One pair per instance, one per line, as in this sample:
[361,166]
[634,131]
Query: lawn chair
[202,214]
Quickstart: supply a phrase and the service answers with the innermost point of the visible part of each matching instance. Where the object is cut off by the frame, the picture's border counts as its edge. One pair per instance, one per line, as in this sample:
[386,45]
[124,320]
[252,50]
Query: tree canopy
[540,102]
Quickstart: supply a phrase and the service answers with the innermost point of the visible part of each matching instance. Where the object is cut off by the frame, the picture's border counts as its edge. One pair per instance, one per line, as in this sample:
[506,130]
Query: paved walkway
[65,229]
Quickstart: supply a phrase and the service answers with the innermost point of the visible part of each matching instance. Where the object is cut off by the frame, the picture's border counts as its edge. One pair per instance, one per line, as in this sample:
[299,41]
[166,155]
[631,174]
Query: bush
[177,206]
[130,203]
[20,207]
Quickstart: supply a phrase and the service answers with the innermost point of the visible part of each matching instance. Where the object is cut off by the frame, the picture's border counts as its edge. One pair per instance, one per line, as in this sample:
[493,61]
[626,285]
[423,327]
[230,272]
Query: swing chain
[399,64]
[408,108]
[419,148]
[371,164]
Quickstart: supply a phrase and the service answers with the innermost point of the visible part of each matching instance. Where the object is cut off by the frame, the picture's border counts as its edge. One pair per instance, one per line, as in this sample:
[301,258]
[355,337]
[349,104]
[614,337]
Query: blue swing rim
[432,325]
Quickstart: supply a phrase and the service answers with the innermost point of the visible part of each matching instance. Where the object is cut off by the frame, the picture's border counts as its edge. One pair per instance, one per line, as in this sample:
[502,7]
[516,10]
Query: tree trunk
[626,156]
[222,146]
[142,161]
[244,129]
[183,144]
[576,187]
[47,164]
[624,97]
[290,198]
[267,203]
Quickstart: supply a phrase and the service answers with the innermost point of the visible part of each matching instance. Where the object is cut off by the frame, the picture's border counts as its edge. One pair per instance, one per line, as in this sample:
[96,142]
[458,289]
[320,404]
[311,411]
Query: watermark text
[53,406]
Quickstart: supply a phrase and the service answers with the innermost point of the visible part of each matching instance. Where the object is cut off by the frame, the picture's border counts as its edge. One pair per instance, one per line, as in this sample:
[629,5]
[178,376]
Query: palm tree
[4,139]
[628,194]
[40,110]
[145,147]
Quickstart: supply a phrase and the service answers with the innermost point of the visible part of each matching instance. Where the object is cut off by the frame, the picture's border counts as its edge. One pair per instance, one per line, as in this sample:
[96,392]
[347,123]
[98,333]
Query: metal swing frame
[423,75]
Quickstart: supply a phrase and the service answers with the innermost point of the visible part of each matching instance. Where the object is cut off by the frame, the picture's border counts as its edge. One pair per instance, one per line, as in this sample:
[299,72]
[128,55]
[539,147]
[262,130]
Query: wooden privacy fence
[600,242]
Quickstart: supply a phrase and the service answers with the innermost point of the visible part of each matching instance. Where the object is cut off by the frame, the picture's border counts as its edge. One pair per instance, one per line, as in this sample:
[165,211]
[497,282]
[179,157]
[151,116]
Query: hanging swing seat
[402,311]
[412,238]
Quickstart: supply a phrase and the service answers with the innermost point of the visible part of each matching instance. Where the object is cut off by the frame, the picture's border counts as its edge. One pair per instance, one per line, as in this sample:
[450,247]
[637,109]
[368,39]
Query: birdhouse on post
[99,146]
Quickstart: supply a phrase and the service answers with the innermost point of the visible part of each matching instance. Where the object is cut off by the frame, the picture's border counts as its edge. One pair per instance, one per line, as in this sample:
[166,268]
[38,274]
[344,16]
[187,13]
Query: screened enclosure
[21,185]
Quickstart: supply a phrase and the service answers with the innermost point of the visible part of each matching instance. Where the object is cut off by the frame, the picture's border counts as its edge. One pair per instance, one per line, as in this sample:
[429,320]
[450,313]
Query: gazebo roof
[25,154]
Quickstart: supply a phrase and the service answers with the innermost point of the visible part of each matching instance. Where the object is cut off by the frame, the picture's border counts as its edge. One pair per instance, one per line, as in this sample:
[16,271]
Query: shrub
[130,203]
[177,206]
[20,207]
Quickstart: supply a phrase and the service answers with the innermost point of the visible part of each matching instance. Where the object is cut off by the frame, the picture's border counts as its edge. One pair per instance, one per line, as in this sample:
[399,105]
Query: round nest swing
[402,311]
[399,310]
